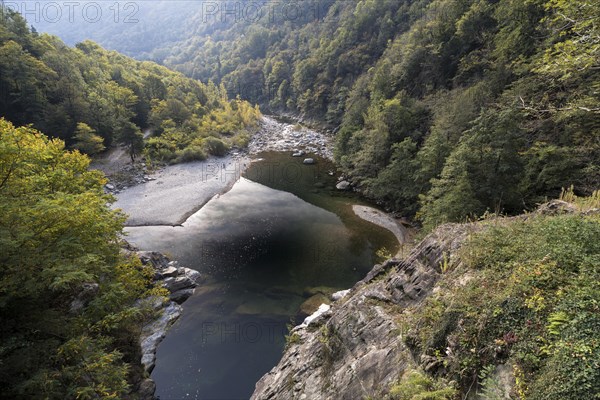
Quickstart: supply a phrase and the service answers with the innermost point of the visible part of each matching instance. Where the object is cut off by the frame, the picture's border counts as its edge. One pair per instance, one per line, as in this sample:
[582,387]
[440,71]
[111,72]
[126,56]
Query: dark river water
[281,234]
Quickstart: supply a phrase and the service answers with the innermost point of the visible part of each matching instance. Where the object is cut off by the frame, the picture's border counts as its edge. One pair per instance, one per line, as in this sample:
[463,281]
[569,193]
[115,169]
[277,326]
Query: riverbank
[386,221]
[178,191]
[168,196]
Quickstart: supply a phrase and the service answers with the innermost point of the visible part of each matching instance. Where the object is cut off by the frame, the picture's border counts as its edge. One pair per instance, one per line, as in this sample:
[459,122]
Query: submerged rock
[308,161]
[320,314]
[313,303]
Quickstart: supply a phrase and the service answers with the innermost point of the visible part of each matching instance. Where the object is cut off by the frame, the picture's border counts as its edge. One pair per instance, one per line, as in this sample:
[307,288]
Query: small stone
[169,271]
[309,161]
[340,295]
[109,186]
[343,185]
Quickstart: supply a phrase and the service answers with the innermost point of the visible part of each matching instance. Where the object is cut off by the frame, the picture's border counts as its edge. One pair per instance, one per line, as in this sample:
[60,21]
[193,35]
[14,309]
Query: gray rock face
[154,333]
[181,282]
[356,349]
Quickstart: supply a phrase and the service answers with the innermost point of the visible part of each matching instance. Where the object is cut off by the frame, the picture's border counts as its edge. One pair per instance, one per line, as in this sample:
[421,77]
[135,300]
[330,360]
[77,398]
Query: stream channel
[280,235]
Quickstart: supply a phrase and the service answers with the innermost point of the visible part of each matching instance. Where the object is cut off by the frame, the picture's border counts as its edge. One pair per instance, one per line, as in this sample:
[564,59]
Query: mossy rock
[312,304]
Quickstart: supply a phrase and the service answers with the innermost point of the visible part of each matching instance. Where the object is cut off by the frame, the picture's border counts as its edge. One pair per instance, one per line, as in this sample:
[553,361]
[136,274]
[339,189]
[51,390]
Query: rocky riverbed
[296,139]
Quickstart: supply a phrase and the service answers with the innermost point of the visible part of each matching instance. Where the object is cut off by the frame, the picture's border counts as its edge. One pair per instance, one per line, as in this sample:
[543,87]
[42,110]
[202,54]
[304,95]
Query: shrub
[192,153]
[415,385]
[215,146]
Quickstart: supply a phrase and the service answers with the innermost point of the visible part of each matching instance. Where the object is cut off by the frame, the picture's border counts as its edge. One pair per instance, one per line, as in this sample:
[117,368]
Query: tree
[483,173]
[131,137]
[58,236]
[577,36]
[87,141]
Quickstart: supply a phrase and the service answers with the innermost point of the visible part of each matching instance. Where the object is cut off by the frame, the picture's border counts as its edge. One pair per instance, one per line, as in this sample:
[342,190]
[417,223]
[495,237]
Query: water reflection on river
[263,251]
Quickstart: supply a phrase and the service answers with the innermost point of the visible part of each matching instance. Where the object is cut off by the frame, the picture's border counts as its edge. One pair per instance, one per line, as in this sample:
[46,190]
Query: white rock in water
[309,161]
[109,186]
[323,308]
[340,295]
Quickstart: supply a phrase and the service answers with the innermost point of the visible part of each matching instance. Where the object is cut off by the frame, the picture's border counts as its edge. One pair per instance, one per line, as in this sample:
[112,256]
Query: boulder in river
[343,185]
[181,295]
[173,284]
[169,272]
[309,161]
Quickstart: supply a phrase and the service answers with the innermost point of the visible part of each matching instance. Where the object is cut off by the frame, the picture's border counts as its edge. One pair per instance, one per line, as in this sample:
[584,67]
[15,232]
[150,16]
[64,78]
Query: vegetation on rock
[524,295]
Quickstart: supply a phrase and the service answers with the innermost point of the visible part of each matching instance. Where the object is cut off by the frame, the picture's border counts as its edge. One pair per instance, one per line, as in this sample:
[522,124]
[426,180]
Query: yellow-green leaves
[66,293]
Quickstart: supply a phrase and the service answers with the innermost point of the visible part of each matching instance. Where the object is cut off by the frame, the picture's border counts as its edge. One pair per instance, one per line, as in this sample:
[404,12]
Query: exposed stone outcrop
[356,348]
[180,282]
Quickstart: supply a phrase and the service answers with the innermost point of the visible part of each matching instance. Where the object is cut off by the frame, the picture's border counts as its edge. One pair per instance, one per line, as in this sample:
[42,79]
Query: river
[280,235]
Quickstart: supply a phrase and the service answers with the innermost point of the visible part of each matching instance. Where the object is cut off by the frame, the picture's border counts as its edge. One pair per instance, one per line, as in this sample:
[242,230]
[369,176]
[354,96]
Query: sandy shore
[175,192]
[178,191]
[383,220]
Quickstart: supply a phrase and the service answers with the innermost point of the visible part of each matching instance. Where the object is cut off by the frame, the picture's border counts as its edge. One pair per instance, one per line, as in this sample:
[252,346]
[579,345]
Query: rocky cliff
[485,310]
[357,348]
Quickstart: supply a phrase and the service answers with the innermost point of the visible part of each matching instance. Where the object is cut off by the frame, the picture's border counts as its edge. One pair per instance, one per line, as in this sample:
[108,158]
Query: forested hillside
[445,108]
[69,325]
[92,98]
